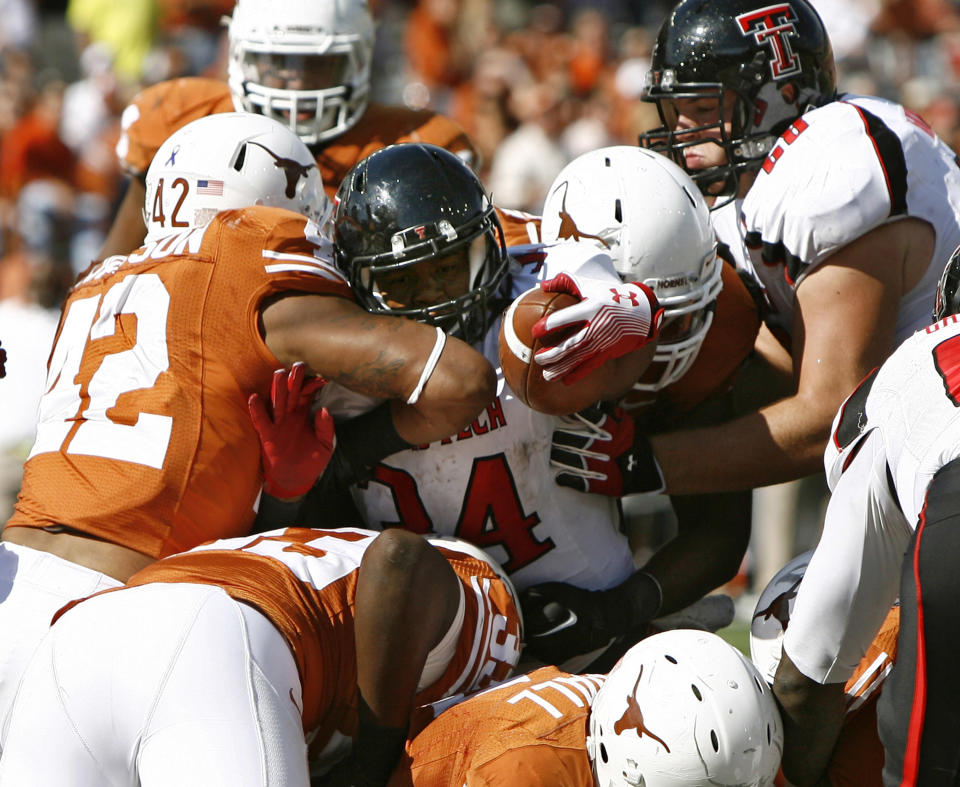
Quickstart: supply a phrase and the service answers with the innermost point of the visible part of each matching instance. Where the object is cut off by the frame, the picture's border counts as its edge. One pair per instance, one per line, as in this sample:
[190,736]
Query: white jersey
[838,172]
[492,484]
[889,438]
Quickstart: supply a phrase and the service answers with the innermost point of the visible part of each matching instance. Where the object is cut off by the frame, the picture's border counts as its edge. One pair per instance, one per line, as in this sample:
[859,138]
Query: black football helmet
[776,57]
[409,203]
[948,290]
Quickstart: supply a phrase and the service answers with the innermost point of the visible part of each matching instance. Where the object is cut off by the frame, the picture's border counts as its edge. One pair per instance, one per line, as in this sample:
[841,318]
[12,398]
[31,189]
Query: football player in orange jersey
[215,665]
[304,63]
[680,708]
[144,443]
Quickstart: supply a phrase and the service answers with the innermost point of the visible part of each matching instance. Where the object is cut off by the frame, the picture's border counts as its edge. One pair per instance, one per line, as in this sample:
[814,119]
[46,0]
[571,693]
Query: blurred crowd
[533,84]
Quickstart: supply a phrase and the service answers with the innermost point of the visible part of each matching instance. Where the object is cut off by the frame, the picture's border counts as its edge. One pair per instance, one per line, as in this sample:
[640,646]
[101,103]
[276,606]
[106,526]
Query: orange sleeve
[519,227]
[385,125]
[159,110]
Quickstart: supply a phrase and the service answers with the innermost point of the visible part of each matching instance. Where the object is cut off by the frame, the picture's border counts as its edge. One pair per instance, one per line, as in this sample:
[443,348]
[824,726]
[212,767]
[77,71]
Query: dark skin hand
[812,715]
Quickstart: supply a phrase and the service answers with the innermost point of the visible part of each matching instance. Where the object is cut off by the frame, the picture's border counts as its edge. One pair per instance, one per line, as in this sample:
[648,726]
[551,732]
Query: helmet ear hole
[241,158]
[603,754]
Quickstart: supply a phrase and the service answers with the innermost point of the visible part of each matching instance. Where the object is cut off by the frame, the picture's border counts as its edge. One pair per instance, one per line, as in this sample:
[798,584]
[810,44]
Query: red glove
[612,320]
[295,445]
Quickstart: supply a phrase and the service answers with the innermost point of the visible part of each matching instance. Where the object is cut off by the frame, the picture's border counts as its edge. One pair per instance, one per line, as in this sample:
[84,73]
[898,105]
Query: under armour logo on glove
[599,450]
[608,322]
[632,296]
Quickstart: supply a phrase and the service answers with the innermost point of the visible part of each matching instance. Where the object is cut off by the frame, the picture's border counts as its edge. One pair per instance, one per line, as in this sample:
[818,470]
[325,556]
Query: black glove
[598,450]
[376,752]
[562,621]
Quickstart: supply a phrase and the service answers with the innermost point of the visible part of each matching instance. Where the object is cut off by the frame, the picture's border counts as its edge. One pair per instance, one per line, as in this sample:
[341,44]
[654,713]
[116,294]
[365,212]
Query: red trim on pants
[911,757]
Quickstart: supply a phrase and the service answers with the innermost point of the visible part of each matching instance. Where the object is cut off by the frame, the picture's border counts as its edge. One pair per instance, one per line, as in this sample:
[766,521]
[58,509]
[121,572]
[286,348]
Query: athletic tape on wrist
[428,368]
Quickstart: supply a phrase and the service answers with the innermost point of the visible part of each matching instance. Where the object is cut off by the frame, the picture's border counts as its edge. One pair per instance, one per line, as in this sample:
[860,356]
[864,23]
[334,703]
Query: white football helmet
[230,160]
[772,615]
[645,212]
[682,708]
[302,62]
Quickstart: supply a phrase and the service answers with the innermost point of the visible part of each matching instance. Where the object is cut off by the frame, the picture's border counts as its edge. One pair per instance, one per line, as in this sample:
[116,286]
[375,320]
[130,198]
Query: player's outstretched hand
[599,450]
[610,320]
[295,443]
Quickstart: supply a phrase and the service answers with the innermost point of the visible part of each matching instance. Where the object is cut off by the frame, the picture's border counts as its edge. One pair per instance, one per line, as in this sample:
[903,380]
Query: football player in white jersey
[891,526]
[441,260]
[843,208]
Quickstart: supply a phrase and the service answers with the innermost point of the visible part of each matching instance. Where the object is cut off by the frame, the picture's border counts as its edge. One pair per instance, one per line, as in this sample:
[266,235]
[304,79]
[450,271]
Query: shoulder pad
[849,427]
[835,174]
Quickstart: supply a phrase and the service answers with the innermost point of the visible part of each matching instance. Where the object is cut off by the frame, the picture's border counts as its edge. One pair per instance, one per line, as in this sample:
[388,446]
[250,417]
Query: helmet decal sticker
[632,718]
[779,608]
[774,26]
[293,170]
[568,227]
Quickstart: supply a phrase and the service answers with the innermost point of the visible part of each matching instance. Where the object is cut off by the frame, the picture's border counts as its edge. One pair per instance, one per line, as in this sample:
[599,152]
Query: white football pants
[163,684]
[33,586]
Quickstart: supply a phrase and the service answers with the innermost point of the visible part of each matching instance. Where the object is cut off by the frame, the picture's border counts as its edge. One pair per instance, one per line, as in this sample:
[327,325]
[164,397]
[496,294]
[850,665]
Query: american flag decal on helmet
[211,187]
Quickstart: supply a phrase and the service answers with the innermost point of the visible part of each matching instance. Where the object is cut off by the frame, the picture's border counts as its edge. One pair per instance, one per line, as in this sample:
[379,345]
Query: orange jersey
[519,227]
[144,438]
[304,581]
[161,109]
[531,731]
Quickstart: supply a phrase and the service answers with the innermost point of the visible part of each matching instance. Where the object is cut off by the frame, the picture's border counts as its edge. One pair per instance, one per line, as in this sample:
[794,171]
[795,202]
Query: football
[524,375]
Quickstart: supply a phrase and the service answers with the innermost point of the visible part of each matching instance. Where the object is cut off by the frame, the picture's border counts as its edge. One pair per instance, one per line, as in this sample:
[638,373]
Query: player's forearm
[714,531]
[127,231]
[812,715]
[779,443]
[461,385]
[407,597]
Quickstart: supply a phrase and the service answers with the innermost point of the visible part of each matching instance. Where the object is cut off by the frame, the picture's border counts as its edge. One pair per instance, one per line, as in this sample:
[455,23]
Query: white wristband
[429,366]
